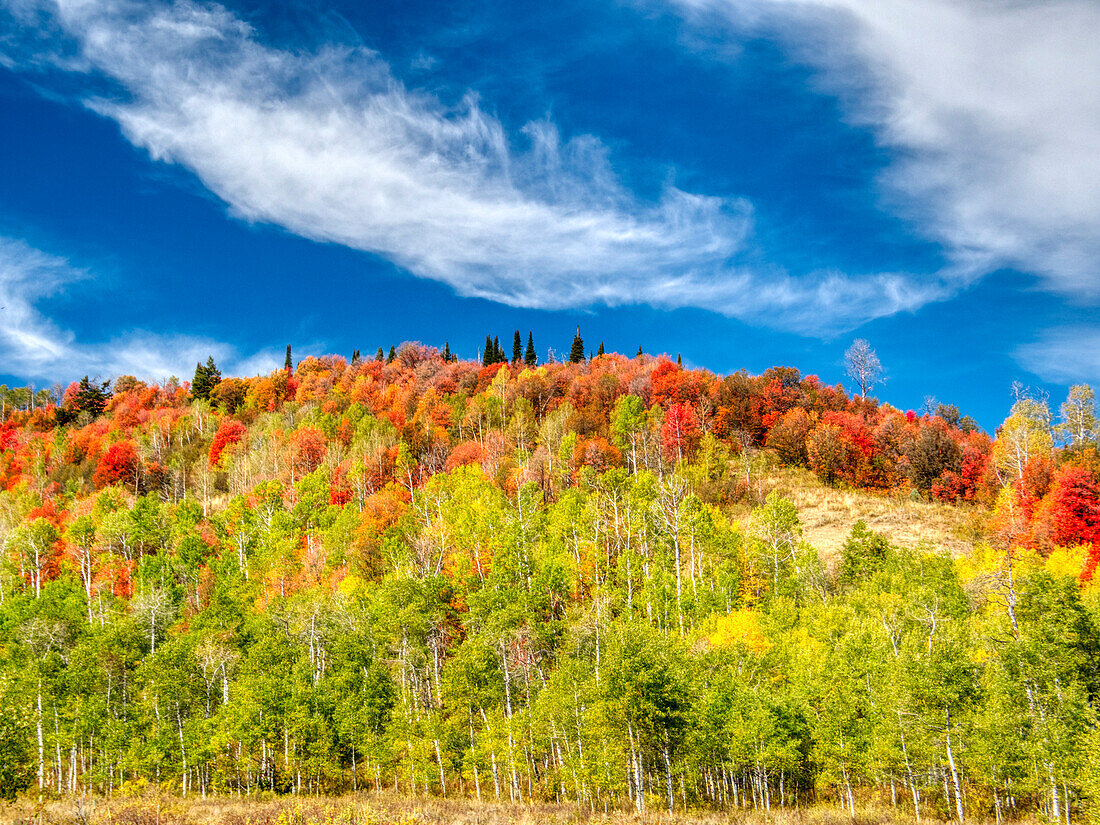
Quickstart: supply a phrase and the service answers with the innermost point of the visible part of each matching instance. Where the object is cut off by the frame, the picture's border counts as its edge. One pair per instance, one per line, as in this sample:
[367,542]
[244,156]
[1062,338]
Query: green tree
[91,396]
[16,741]
[576,351]
[530,359]
[206,378]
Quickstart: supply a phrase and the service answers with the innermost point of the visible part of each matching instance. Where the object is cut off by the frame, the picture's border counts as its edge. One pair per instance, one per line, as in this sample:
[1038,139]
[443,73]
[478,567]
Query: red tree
[119,464]
[229,433]
[679,432]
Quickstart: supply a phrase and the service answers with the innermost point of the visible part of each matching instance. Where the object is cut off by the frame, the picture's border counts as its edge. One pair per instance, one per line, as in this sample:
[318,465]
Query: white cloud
[993,108]
[33,346]
[331,146]
[1065,355]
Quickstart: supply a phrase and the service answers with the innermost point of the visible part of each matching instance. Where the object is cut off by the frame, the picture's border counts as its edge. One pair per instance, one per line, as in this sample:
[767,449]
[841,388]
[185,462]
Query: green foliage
[438,579]
[16,743]
[863,554]
[206,378]
[91,397]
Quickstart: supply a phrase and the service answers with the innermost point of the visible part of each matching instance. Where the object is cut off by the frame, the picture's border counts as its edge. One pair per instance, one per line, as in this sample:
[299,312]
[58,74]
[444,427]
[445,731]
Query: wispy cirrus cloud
[33,346]
[1063,355]
[993,111]
[330,145]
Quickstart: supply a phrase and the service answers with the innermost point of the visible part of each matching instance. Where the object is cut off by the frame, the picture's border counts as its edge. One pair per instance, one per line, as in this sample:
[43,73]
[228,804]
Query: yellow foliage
[349,584]
[984,559]
[741,627]
[1067,562]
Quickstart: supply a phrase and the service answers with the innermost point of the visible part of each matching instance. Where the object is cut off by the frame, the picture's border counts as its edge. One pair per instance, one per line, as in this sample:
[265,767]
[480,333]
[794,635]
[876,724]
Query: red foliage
[1074,507]
[229,433]
[339,491]
[119,464]
[672,384]
[468,452]
[596,453]
[309,449]
[679,432]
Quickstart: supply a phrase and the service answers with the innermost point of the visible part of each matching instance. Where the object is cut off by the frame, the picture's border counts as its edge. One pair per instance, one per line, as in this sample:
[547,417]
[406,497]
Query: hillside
[614,581]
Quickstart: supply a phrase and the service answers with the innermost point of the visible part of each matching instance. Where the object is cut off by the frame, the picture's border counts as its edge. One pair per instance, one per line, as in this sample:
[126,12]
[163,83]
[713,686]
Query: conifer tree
[446,351]
[529,357]
[392,355]
[639,355]
[517,348]
[380,356]
[355,357]
[576,352]
[488,354]
[289,365]
[679,362]
[600,351]
[498,353]
[92,397]
[206,378]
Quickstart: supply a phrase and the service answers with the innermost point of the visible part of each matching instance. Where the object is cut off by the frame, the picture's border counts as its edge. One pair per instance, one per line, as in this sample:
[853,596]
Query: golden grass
[827,515]
[364,809]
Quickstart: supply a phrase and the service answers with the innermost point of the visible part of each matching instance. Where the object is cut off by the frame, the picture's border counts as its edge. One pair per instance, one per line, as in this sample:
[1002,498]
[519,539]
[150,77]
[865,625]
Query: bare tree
[863,366]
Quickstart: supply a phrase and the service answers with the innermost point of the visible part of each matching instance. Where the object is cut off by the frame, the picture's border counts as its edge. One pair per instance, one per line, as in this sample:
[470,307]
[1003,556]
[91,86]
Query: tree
[119,464]
[679,432]
[863,366]
[933,453]
[206,378]
[1079,424]
[447,351]
[529,357]
[488,355]
[289,364]
[576,352]
[16,748]
[1024,435]
[380,356]
[517,348]
[92,397]
[229,433]
[863,554]
[392,355]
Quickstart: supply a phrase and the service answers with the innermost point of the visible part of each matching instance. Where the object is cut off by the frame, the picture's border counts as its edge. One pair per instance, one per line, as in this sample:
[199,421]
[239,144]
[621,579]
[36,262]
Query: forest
[563,582]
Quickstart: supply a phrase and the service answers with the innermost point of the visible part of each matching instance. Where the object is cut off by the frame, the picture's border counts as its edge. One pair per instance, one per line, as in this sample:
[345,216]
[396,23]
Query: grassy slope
[827,515]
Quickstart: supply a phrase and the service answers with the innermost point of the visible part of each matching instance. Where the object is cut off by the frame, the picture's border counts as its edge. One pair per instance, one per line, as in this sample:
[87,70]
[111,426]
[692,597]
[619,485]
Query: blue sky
[746,183]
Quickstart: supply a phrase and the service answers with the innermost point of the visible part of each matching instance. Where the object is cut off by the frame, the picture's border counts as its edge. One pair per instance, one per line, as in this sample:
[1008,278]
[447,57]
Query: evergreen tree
[392,355]
[576,352]
[355,357]
[498,353]
[206,378]
[380,356]
[600,351]
[639,355]
[679,361]
[289,364]
[487,354]
[92,397]
[517,348]
[529,357]
[446,351]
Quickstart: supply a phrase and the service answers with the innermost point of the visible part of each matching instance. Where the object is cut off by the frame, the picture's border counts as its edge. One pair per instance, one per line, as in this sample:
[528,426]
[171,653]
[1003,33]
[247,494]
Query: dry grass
[365,809]
[828,514]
